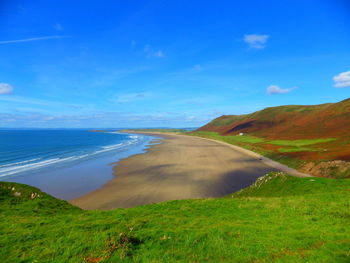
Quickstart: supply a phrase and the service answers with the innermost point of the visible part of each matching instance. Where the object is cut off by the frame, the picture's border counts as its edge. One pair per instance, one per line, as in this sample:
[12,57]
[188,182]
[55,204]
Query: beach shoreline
[180,167]
[72,179]
[267,161]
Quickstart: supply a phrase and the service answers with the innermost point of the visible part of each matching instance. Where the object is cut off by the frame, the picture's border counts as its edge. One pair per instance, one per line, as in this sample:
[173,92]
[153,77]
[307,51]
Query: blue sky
[167,63]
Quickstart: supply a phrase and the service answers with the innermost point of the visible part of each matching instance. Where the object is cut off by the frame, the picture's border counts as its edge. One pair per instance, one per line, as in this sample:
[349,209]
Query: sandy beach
[180,167]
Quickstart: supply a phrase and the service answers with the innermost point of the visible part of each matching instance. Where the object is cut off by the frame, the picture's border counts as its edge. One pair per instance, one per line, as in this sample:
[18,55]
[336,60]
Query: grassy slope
[279,219]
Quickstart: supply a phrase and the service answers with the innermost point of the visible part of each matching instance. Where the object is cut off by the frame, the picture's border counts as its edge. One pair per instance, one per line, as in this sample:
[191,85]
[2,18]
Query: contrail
[30,39]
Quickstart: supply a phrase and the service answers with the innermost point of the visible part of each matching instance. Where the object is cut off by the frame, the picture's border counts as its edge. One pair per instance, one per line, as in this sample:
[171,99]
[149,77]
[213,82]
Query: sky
[114,63]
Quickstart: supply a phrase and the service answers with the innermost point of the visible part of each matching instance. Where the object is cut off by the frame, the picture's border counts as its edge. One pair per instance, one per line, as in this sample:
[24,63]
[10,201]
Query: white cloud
[5,88]
[342,80]
[274,89]
[256,41]
[197,68]
[100,119]
[126,98]
[158,54]
[58,27]
[153,53]
[18,100]
[191,118]
[30,39]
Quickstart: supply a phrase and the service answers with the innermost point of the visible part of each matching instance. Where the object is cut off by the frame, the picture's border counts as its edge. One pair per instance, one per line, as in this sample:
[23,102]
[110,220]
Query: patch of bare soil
[336,169]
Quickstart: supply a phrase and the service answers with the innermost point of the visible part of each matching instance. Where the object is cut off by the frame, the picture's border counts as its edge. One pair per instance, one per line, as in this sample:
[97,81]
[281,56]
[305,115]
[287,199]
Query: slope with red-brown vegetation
[288,122]
[294,122]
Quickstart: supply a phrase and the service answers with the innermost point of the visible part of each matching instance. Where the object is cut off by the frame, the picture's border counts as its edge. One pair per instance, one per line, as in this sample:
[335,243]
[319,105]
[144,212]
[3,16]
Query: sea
[65,163]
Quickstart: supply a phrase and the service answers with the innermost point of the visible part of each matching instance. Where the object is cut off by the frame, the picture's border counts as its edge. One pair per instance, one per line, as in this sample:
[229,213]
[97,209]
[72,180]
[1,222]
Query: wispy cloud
[274,89]
[197,68]
[131,97]
[100,119]
[158,54]
[36,102]
[109,76]
[31,39]
[342,80]
[5,88]
[150,52]
[58,27]
[256,41]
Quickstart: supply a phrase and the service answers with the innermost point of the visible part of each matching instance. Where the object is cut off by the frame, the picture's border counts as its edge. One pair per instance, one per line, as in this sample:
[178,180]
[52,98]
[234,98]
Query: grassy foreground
[278,219]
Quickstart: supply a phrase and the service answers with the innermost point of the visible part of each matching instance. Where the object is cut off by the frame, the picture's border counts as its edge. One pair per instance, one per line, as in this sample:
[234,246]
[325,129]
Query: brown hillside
[331,120]
[288,122]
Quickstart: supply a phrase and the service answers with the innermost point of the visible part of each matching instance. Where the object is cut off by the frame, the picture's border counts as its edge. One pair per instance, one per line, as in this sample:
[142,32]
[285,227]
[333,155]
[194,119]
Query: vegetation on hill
[278,219]
[314,139]
[331,120]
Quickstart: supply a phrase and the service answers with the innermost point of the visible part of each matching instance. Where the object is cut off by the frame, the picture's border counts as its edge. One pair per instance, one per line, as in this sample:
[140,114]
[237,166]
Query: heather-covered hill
[288,122]
[314,139]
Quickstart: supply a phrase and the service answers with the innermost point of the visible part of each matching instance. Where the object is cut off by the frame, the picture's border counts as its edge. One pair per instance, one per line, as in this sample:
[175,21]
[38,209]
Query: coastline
[69,180]
[180,167]
[267,161]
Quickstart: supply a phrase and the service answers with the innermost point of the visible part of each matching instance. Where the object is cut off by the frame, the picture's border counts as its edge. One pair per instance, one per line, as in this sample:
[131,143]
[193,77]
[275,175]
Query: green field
[254,139]
[229,139]
[300,143]
[278,219]
[256,144]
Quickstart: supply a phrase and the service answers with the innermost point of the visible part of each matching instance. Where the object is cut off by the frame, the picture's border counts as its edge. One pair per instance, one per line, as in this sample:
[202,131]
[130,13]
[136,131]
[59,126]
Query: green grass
[253,139]
[229,139]
[298,149]
[300,143]
[278,219]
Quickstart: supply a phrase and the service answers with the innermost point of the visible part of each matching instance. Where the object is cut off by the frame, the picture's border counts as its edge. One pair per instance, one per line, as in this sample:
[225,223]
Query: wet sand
[181,167]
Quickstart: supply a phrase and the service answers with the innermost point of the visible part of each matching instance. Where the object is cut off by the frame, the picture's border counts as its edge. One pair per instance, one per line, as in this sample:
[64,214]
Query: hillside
[278,219]
[288,122]
[300,136]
